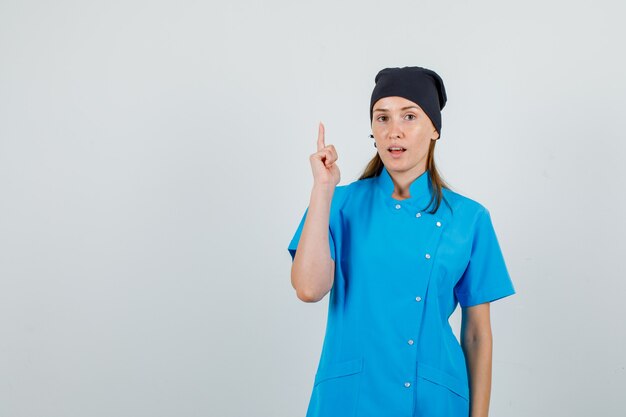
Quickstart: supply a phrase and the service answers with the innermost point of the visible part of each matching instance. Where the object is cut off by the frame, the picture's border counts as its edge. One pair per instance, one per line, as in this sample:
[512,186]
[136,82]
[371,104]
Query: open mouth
[396,150]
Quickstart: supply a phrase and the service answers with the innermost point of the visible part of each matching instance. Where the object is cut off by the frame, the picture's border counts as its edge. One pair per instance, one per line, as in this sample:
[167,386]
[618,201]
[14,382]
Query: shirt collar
[420,189]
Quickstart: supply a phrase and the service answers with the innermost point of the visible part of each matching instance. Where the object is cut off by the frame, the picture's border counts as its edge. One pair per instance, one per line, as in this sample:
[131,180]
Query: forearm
[478,354]
[312,272]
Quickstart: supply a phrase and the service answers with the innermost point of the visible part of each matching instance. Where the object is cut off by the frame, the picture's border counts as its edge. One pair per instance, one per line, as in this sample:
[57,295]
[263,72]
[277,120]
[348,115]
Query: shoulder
[464,207]
[353,190]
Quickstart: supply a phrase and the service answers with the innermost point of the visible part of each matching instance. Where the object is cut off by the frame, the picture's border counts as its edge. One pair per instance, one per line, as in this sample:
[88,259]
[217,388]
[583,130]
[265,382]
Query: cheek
[420,147]
[422,136]
[377,130]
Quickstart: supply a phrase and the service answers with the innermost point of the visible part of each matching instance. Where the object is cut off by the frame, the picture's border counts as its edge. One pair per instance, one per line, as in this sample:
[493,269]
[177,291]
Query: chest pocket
[336,389]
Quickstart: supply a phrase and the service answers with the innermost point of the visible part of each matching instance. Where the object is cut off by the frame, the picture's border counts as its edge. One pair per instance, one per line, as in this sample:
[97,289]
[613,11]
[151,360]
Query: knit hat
[419,85]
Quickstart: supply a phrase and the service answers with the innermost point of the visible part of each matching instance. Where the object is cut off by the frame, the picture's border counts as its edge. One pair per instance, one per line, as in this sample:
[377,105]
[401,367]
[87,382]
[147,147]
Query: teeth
[396,149]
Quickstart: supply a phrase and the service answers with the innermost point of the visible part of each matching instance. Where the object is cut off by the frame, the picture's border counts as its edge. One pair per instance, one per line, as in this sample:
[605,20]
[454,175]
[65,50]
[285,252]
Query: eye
[381,118]
[412,116]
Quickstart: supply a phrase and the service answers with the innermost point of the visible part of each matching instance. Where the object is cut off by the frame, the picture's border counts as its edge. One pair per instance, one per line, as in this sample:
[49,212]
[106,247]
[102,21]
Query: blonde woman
[398,250]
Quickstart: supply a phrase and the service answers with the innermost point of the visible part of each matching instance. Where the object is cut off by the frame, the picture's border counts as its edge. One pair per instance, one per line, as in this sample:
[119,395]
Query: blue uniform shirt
[389,349]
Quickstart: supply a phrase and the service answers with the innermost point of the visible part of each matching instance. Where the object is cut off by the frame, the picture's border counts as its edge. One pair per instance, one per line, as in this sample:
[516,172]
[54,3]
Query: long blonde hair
[375,166]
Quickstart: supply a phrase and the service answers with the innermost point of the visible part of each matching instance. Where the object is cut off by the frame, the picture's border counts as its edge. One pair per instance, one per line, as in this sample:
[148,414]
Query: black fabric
[420,85]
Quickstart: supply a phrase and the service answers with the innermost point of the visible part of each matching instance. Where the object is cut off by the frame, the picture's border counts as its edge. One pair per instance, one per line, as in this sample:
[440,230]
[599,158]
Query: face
[398,122]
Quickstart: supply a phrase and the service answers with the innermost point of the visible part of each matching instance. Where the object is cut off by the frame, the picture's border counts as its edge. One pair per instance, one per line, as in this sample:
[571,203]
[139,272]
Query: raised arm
[313,269]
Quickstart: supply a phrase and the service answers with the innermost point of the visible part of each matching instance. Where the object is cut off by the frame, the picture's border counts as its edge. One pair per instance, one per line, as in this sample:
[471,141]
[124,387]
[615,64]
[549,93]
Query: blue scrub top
[400,271]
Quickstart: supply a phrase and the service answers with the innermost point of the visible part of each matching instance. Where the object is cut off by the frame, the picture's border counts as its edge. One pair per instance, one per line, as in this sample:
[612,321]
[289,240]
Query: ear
[436,135]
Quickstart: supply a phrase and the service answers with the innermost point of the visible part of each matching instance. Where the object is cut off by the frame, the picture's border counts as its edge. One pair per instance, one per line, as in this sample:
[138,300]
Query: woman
[398,249]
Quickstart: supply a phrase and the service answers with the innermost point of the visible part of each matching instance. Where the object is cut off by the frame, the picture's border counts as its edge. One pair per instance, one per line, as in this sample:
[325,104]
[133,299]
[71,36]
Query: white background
[154,167]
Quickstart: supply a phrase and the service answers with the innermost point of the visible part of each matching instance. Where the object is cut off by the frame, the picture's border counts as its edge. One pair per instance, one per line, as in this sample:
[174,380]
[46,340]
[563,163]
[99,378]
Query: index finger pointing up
[320,138]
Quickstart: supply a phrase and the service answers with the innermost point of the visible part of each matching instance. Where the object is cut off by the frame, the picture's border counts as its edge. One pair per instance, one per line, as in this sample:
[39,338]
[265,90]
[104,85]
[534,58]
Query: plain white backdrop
[154,167]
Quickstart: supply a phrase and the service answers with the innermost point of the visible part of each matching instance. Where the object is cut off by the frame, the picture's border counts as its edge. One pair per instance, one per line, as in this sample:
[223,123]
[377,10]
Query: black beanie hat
[420,85]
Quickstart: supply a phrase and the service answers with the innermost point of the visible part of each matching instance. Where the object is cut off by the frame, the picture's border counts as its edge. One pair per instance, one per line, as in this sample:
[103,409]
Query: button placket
[429,248]
[432,231]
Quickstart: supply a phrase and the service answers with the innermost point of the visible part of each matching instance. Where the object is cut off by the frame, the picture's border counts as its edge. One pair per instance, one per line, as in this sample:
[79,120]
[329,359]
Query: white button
[407,384]
[427,256]
[438,224]
[410,342]
[418,298]
[418,215]
[398,206]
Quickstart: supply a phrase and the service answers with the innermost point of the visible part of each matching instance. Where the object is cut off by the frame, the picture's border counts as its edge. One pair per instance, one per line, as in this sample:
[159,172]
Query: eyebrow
[403,108]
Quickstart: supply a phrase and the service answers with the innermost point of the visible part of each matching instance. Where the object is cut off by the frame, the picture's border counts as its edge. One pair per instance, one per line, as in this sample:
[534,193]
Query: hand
[325,170]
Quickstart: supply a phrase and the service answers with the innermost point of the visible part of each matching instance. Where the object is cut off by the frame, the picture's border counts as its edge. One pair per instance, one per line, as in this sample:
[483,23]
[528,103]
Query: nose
[395,130]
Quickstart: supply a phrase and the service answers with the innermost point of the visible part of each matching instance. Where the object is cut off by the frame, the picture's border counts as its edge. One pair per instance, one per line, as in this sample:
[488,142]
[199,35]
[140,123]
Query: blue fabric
[400,272]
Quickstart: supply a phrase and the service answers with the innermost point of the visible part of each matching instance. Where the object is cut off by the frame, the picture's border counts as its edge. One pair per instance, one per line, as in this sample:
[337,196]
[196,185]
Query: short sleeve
[486,277]
[293,245]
